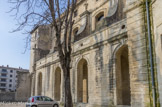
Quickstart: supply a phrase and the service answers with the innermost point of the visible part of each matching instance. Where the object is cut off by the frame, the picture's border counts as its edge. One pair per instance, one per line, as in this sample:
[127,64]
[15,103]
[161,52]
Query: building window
[10,75]
[10,85]
[3,80]
[4,75]
[100,16]
[3,85]
[75,13]
[11,71]
[10,80]
[98,19]
[75,31]
[4,70]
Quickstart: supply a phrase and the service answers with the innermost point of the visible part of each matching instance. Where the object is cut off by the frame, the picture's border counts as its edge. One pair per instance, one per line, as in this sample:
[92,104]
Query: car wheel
[34,106]
[55,105]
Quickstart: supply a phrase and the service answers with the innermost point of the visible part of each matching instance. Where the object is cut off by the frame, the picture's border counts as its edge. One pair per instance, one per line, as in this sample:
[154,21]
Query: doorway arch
[57,90]
[40,83]
[82,81]
[123,76]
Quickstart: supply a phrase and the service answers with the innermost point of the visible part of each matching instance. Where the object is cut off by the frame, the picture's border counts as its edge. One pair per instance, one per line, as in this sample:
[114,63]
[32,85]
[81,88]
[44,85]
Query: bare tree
[59,15]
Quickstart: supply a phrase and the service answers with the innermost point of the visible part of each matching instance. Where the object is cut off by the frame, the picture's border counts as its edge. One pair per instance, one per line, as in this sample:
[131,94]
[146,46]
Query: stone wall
[7,96]
[157,26]
[137,55]
[23,91]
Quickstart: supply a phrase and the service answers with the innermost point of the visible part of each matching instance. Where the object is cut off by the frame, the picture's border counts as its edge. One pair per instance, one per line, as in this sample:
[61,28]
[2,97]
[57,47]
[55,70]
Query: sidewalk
[12,104]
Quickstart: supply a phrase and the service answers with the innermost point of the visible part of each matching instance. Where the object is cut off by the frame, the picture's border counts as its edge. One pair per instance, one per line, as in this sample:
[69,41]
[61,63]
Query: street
[12,104]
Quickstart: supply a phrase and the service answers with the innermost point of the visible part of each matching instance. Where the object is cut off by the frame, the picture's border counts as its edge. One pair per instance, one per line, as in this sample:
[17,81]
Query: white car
[41,101]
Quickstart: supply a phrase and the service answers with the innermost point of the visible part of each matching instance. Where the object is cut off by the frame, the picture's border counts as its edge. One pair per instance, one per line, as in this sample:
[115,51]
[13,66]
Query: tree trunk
[67,87]
[65,61]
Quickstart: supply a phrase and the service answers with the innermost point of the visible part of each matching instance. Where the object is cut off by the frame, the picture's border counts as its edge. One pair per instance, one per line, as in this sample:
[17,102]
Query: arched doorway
[82,81]
[57,92]
[40,83]
[123,77]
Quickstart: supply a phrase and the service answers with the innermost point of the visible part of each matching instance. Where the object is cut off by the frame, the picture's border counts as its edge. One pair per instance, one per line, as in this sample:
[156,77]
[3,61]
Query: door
[48,102]
[40,102]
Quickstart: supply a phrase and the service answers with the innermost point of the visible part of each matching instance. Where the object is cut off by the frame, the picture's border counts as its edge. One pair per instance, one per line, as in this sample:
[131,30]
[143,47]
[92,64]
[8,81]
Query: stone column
[32,76]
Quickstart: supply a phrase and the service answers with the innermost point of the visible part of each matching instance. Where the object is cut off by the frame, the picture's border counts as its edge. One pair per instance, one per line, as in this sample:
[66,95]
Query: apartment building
[9,78]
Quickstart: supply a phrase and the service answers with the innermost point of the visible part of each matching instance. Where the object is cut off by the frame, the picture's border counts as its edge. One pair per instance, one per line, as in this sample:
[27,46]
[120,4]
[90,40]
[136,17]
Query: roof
[35,28]
[12,68]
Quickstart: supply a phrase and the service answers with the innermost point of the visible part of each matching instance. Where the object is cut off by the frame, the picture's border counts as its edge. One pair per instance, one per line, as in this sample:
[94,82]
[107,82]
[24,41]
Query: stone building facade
[110,58]
[157,23]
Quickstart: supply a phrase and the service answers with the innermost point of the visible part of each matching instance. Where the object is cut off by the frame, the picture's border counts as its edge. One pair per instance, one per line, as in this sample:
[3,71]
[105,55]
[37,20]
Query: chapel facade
[110,55]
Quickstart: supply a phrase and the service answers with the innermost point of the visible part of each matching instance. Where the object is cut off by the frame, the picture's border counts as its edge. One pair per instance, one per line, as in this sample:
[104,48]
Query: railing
[2,86]
[3,76]
[4,71]
[3,81]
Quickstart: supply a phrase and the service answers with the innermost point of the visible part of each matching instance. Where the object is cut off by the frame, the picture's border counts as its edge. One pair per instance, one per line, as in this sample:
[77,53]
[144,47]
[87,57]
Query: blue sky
[12,45]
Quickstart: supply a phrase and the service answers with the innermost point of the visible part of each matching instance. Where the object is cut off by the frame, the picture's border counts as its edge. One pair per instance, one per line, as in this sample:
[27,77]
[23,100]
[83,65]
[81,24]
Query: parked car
[41,101]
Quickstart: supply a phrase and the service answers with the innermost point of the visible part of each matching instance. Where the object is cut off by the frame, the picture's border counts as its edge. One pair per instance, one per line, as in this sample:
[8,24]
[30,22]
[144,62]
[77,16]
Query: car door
[48,101]
[40,102]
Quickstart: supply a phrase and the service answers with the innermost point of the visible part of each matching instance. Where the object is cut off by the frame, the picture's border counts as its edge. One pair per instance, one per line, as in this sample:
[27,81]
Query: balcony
[3,81]
[4,71]
[3,76]
[3,86]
